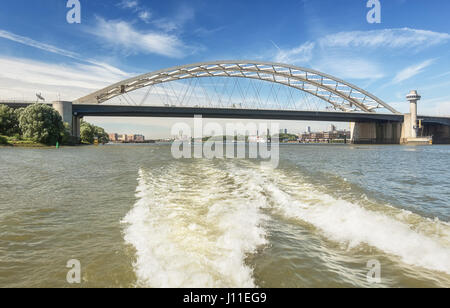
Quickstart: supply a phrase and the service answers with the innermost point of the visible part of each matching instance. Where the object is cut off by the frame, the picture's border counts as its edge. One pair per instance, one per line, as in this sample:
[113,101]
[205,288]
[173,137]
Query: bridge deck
[187,112]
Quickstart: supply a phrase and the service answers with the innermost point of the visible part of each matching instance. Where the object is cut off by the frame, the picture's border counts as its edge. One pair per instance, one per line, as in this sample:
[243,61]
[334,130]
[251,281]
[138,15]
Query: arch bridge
[373,120]
[340,95]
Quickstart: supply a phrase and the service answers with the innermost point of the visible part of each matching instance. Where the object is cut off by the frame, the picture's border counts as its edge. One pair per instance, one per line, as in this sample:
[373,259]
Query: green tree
[41,123]
[18,112]
[67,138]
[89,132]
[101,135]
[3,140]
[9,122]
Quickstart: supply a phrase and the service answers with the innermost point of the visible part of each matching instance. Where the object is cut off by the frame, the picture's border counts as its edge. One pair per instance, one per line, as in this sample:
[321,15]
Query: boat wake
[194,231]
[194,225]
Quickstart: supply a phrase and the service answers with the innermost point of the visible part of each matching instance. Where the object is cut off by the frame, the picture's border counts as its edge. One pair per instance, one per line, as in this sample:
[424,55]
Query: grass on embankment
[20,142]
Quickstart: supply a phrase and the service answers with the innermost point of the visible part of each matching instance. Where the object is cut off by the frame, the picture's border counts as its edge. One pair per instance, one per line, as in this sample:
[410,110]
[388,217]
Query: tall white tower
[413,97]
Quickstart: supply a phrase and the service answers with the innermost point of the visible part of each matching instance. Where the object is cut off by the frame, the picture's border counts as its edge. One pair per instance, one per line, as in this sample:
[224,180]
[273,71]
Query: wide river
[136,217]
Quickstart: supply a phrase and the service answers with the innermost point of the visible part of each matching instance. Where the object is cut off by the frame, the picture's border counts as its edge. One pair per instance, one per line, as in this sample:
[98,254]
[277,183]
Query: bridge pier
[65,109]
[408,130]
[76,128]
[411,129]
[375,132]
[439,133]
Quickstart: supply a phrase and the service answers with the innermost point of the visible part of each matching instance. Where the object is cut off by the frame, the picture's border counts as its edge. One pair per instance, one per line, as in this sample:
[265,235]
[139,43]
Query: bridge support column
[440,133]
[64,108]
[76,128]
[410,126]
[375,133]
[363,133]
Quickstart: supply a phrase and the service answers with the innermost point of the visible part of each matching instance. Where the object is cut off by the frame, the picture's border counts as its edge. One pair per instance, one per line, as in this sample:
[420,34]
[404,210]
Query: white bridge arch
[341,95]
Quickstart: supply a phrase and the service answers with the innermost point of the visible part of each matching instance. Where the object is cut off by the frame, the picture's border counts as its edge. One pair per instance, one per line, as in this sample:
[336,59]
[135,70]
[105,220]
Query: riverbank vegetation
[19,141]
[41,125]
[89,133]
[287,137]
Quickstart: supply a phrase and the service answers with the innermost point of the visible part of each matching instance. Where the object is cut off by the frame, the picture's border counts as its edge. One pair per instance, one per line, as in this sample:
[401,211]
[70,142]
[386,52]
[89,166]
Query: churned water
[134,216]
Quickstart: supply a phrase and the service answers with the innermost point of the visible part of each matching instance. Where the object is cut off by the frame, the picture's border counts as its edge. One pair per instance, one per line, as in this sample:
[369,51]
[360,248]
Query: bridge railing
[12,101]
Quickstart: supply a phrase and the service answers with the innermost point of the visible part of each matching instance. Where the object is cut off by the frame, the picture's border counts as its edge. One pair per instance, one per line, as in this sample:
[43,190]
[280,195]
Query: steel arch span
[338,93]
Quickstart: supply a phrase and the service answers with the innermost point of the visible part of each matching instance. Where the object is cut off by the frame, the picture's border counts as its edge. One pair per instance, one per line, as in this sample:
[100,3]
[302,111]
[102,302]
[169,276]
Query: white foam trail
[352,224]
[197,233]
[194,237]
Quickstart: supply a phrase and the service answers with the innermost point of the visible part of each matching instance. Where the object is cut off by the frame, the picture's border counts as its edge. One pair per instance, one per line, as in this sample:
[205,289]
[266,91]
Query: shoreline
[15,145]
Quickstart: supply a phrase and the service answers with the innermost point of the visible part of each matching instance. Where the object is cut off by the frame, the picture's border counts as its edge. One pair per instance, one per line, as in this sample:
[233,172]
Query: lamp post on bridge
[413,97]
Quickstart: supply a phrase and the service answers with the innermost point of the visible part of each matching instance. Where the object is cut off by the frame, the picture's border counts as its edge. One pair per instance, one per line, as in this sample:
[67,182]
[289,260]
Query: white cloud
[119,33]
[122,34]
[53,49]
[32,43]
[436,107]
[391,38]
[412,71]
[183,13]
[340,66]
[22,78]
[341,53]
[129,4]
[177,21]
[441,75]
[145,16]
[143,13]
[300,54]
[350,68]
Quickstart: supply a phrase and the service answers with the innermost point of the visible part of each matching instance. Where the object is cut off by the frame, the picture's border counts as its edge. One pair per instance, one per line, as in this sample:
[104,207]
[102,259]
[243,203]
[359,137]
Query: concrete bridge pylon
[65,109]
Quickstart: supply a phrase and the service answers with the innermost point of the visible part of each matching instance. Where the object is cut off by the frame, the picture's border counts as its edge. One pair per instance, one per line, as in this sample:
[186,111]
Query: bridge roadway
[228,113]
[371,128]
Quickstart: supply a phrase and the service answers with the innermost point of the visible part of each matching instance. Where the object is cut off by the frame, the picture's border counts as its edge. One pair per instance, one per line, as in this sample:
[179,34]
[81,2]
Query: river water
[136,217]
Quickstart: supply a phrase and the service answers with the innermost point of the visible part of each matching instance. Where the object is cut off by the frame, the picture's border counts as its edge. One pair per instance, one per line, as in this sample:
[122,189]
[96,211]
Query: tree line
[41,123]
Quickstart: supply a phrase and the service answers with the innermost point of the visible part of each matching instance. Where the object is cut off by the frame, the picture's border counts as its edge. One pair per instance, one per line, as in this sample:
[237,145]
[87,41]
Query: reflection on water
[134,216]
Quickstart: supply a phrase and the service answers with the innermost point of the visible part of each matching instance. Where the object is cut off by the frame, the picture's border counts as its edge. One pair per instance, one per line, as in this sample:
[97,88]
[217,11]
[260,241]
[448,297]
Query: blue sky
[41,52]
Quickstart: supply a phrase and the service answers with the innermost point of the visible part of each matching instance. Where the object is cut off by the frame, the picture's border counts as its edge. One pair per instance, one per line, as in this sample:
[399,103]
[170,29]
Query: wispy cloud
[437,106]
[125,36]
[207,32]
[183,14]
[300,54]
[441,75]
[176,22]
[162,39]
[145,16]
[391,38]
[32,43]
[412,71]
[21,78]
[143,13]
[351,68]
[128,4]
[59,51]
[335,53]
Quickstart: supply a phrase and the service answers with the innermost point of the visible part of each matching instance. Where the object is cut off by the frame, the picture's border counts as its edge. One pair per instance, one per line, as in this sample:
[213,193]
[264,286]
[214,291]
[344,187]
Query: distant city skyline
[292,127]
[157,128]
[115,137]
